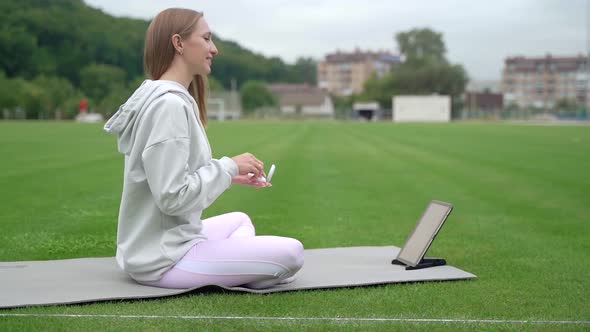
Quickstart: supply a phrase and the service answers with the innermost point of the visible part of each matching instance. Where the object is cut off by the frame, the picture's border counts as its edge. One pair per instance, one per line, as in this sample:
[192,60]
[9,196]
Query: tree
[275,70]
[16,47]
[255,95]
[421,44]
[111,102]
[30,98]
[566,104]
[343,105]
[424,71]
[379,89]
[214,84]
[53,93]
[98,80]
[304,71]
[9,92]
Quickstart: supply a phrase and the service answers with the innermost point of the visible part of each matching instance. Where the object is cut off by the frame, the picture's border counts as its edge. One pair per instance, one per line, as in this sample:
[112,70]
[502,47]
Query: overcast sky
[477,34]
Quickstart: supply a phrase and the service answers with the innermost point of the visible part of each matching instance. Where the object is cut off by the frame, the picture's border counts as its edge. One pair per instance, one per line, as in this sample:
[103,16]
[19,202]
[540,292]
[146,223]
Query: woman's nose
[214,50]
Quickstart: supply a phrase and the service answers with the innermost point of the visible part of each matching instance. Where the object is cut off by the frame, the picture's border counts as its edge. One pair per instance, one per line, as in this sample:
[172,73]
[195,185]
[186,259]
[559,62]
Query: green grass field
[521,221]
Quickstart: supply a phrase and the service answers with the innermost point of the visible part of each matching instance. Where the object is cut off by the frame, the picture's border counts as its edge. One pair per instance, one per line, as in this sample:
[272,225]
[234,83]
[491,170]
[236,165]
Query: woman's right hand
[247,163]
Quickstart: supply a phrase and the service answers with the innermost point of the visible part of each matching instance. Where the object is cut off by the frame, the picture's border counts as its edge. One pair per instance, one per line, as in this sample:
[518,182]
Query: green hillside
[53,53]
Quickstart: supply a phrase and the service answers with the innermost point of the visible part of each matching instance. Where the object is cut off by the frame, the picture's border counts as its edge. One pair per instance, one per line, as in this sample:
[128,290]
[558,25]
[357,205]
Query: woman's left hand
[251,181]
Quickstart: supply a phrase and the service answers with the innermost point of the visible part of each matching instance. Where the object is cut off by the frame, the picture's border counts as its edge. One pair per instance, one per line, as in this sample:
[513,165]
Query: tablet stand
[424,263]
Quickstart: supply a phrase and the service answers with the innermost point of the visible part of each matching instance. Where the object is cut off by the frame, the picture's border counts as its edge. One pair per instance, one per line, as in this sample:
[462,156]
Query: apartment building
[343,73]
[540,82]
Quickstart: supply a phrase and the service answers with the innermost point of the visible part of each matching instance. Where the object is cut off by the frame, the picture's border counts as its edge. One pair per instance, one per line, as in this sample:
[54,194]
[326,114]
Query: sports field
[521,222]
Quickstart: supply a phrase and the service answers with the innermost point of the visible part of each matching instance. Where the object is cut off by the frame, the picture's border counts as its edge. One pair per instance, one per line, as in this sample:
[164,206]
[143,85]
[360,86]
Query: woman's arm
[165,158]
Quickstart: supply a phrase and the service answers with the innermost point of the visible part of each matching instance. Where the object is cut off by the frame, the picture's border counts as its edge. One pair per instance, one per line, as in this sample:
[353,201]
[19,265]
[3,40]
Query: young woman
[170,176]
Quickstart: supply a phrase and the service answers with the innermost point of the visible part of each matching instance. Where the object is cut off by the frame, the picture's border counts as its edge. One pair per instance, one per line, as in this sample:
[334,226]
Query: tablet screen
[419,240]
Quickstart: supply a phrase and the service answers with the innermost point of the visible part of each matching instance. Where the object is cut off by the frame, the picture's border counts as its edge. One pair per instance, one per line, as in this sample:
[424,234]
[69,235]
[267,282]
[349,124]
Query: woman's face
[199,49]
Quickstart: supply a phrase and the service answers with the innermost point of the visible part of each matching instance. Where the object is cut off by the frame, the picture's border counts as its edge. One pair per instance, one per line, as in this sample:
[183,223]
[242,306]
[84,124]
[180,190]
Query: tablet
[424,232]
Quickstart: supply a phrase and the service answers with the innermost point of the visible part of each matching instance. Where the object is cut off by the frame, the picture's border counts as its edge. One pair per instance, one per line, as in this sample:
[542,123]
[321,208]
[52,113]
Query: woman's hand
[247,163]
[251,181]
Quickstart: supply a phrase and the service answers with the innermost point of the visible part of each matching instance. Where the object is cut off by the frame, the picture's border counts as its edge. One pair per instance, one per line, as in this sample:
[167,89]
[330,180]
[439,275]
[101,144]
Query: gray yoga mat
[99,279]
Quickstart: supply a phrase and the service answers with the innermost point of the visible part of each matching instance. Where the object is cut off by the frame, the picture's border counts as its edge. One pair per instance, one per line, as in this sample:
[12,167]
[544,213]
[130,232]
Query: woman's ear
[177,43]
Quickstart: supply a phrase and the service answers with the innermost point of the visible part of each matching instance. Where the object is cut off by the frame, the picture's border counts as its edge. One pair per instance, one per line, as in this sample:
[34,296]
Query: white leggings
[233,255]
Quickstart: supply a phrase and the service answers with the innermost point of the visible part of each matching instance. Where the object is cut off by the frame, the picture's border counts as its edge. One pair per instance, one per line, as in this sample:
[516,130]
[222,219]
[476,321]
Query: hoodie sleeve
[175,190]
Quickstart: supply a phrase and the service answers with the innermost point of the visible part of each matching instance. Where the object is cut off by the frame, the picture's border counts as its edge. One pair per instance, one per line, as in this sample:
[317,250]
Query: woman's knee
[293,254]
[242,217]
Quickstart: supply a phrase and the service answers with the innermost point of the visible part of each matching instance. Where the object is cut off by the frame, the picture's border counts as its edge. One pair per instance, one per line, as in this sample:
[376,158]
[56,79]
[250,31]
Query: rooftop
[564,63]
[358,55]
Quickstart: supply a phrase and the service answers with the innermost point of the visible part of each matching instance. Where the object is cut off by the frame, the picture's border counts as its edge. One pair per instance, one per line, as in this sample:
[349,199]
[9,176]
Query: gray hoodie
[169,178]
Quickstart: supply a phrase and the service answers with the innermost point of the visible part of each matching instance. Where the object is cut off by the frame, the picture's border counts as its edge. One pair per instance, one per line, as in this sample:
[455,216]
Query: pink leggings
[234,256]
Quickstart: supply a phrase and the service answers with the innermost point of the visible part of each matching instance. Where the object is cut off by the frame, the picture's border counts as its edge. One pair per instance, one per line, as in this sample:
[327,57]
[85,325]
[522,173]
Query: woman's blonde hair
[159,52]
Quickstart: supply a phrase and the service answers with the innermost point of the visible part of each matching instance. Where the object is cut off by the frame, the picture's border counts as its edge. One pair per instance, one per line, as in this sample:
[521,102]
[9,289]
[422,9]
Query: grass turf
[521,196]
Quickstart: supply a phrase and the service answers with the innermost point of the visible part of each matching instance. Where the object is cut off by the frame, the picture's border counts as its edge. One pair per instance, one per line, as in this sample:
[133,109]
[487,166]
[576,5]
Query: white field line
[354,319]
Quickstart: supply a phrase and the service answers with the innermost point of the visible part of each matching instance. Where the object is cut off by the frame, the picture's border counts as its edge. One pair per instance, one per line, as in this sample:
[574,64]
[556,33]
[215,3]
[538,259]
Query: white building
[434,108]
[224,105]
[302,99]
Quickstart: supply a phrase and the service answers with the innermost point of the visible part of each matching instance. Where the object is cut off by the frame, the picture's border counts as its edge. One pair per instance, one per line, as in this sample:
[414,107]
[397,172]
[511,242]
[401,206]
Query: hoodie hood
[122,123]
